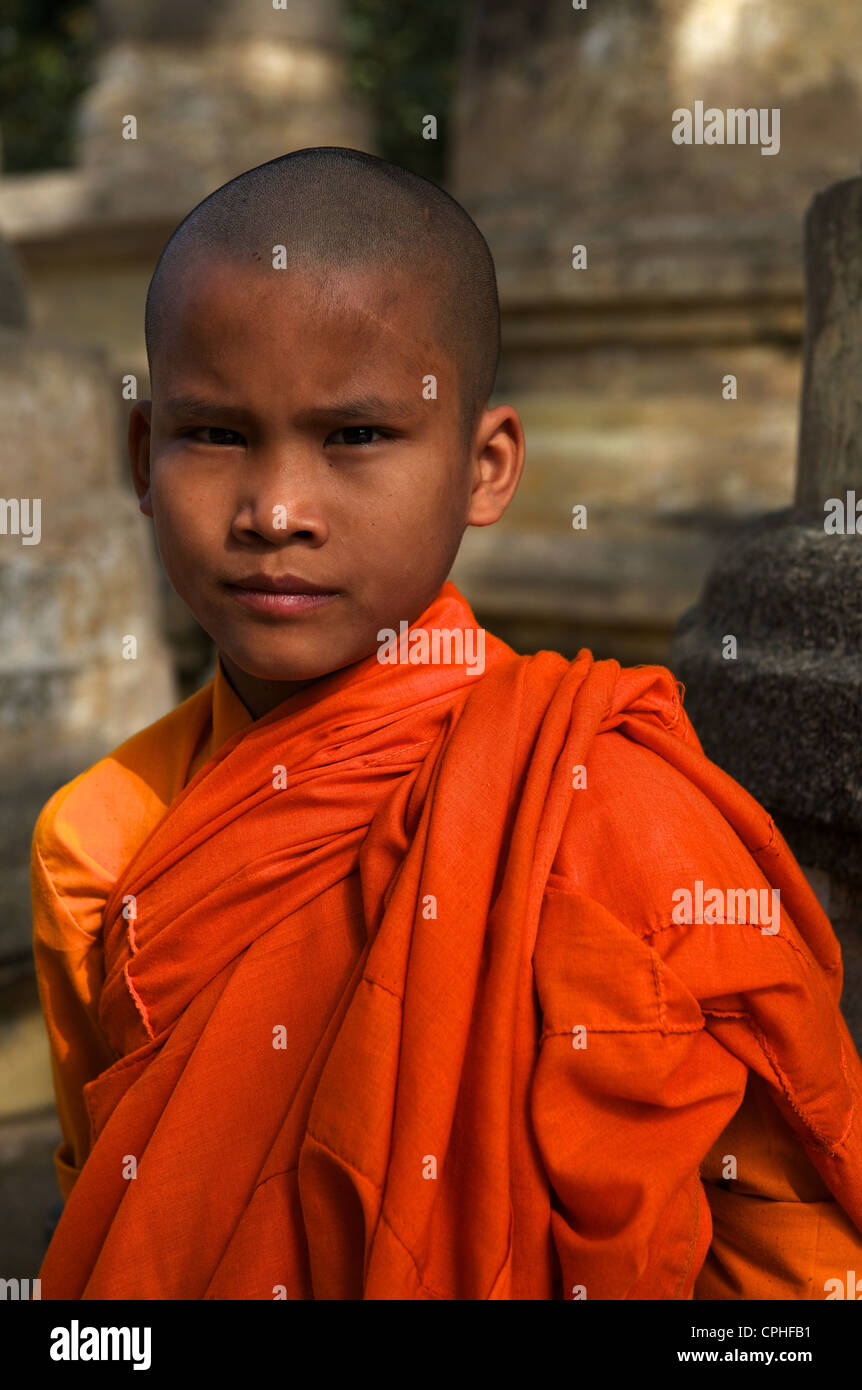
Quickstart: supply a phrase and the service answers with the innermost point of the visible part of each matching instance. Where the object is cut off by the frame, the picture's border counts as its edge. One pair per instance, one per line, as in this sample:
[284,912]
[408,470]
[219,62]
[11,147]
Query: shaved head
[339,209]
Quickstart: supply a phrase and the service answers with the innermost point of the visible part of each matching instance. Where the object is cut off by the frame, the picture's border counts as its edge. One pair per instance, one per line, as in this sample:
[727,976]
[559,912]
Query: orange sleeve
[666,1086]
[67,902]
[629,1092]
[637,1107]
[86,833]
[777,1229]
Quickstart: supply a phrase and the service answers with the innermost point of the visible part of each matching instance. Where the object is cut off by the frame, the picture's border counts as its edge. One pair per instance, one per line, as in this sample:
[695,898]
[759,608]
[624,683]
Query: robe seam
[853,1093]
[693,1241]
[138,1001]
[382,1214]
[635,1028]
[677,699]
[124,1060]
[755,926]
[822,1140]
[282,1173]
[336,1153]
[122,1063]
[375,759]
[370,979]
[423,1284]
[553,889]
[761,849]
[662,1015]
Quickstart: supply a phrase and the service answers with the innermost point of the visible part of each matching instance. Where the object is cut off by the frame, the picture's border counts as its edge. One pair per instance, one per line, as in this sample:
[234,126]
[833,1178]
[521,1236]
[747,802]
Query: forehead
[208,295]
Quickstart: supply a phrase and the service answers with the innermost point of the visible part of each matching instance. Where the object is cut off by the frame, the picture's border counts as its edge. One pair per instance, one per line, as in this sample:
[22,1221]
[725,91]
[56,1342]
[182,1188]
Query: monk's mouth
[279,604]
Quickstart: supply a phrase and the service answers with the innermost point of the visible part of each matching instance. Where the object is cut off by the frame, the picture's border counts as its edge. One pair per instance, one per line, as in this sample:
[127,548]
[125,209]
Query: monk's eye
[217,430]
[351,431]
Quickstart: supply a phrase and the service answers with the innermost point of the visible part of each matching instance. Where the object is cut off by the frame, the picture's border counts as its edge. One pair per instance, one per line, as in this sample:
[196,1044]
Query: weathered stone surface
[565,120]
[784,717]
[214,90]
[13,298]
[70,600]
[66,614]
[830,435]
[60,420]
[67,602]
[667,470]
[564,124]
[28,1192]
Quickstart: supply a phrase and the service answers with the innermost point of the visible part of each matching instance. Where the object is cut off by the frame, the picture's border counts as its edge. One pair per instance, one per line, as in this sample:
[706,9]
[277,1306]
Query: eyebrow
[356,408]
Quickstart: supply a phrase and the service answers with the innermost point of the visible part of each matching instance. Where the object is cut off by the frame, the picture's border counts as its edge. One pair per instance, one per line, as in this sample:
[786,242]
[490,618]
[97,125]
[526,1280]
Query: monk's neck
[258,696]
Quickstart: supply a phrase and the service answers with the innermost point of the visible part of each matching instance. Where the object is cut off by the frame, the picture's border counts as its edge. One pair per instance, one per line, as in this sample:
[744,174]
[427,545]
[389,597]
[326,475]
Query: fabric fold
[412,1159]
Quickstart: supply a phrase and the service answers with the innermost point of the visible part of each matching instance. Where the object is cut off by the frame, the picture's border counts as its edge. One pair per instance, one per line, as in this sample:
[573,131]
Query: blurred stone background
[554,131]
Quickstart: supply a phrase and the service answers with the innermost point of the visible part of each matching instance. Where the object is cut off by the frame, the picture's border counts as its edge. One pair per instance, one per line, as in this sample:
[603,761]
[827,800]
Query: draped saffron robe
[389,1004]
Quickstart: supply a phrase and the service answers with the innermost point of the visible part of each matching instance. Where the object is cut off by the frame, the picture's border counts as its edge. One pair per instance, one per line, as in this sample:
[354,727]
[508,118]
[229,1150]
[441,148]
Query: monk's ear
[498,460]
[139,452]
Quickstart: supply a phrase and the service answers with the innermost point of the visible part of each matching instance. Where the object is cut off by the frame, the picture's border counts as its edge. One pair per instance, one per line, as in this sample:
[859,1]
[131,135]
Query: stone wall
[564,138]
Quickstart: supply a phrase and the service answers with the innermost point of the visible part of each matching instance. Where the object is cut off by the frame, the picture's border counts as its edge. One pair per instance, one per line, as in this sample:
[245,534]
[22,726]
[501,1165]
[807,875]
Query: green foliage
[47,49]
[401,60]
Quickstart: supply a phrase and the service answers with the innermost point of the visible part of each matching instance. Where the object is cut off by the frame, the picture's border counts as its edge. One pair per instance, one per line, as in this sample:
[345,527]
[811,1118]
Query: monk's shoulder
[96,821]
[639,829]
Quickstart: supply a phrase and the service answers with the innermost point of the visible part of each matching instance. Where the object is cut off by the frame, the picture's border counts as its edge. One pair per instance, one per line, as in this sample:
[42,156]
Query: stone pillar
[784,717]
[563,128]
[214,89]
[72,588]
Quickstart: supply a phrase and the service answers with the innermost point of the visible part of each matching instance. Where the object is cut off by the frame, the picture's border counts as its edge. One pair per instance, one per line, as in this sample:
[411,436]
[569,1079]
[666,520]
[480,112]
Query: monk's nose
[283,498]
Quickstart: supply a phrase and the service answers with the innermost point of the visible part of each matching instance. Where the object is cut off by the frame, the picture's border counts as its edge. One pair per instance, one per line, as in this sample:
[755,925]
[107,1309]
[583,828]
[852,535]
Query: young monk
[393,964]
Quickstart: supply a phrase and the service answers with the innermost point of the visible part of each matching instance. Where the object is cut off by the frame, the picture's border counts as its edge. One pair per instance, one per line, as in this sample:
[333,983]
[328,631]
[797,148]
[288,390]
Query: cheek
[424,502]
[185,524]
[186,503]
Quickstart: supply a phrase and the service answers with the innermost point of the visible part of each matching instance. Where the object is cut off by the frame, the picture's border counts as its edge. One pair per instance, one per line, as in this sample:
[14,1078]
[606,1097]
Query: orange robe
[313,985]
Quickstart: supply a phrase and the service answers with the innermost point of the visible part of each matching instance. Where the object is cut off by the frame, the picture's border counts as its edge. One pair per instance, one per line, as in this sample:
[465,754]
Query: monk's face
[292,435]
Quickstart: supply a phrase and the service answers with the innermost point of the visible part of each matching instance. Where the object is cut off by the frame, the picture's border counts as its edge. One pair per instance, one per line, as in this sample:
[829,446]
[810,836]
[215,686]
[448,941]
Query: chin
[263,668]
